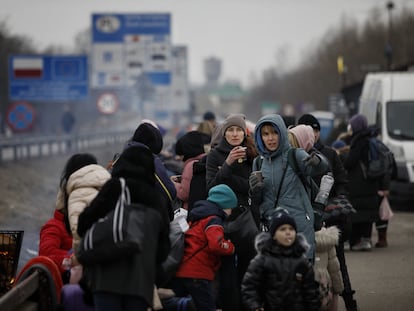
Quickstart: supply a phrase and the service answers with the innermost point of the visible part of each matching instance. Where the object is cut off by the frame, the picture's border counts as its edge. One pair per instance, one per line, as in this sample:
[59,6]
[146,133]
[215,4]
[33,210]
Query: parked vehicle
[387,100]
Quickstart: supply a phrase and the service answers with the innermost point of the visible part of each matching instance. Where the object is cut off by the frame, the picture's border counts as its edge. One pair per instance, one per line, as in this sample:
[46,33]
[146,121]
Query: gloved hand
[312,160]
[255,184]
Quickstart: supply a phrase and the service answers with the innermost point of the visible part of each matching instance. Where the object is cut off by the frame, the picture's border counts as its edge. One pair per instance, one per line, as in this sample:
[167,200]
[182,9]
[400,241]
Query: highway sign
[107,103]
[20,116]
[48,78]
[128,45]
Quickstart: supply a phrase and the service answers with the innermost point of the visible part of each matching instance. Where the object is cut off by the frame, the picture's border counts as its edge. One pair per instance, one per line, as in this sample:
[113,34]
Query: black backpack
[198,184]
[381,161]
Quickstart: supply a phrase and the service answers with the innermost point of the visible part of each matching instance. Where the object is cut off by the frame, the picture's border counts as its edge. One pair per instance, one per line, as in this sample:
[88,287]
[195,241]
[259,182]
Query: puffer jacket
[327,267]
[293,196]
[81,188]
[204,242]
[280,278]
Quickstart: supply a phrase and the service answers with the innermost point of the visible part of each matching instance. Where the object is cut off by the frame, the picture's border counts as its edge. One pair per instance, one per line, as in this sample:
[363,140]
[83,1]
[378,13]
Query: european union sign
[48,78]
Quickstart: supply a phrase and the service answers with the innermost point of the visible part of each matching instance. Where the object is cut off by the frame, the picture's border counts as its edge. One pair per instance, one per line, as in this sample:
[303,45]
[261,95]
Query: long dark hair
[75,162]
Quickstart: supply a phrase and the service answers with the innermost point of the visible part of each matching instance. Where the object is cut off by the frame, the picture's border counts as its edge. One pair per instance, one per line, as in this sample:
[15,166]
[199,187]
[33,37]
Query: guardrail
[29,147]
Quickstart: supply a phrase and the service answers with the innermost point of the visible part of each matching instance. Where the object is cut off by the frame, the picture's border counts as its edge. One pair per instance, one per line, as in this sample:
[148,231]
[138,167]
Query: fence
[29,147]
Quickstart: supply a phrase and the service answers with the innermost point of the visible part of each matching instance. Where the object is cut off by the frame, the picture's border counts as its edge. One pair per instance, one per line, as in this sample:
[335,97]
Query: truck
[387,100]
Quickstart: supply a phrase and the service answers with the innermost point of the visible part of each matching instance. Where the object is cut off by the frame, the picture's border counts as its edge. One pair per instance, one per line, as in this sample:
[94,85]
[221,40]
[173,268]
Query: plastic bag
[385,211]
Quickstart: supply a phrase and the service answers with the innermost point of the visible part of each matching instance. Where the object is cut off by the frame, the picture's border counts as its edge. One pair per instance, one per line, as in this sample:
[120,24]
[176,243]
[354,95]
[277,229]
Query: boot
[382,238]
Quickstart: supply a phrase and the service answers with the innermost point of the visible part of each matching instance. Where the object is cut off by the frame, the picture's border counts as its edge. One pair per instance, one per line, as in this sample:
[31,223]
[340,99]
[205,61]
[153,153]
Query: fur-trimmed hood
[265,243]
[326,238]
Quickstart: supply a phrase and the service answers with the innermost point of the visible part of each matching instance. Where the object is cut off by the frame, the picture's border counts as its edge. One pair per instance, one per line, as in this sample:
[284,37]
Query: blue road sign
[20,116]
[48,78]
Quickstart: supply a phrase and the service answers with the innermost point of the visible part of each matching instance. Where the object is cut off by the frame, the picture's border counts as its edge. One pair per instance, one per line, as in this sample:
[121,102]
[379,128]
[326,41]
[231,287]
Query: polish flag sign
[27,68]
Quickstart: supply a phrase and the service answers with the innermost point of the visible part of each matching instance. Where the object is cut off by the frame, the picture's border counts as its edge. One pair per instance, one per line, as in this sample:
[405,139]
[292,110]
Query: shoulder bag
[116,236]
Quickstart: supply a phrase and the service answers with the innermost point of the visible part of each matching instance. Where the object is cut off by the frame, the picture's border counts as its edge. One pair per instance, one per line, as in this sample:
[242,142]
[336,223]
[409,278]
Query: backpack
[178,227]
[381,161]
[198,184]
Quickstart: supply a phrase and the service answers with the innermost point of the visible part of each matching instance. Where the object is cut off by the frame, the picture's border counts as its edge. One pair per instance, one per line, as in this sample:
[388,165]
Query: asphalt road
[384,278]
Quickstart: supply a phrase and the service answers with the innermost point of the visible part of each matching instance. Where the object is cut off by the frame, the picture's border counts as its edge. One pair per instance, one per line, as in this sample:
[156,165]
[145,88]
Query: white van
[387,100]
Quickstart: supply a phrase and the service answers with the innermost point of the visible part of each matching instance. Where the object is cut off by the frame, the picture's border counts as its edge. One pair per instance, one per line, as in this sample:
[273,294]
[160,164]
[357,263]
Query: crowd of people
[219,172]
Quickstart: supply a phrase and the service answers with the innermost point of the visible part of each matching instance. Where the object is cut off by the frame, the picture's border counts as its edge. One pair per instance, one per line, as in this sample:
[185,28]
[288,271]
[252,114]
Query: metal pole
[388,47]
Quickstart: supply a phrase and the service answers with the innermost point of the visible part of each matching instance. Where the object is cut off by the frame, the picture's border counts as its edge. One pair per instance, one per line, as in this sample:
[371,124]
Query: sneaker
[364,245]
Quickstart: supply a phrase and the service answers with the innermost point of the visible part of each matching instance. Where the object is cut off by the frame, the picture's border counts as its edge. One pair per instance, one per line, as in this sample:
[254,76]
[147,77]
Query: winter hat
[281,217]
[76,162]
[223,196]
[209,116]
[135,162]
[358,123]
[304,135]
[234,120]
[150,136]
[309,119]
[191,144]
[338,144]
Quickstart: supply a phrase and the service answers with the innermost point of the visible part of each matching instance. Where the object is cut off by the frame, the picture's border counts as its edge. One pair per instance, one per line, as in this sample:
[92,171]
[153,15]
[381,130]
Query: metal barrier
[19,148]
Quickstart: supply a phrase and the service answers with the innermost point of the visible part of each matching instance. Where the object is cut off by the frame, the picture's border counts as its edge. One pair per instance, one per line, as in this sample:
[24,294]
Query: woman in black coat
[363,192]
[128,284]
[230,163]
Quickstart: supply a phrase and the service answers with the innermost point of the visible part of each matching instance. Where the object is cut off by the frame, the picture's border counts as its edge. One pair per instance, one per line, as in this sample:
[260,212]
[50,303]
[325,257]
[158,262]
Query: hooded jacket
[82,187]
[293,196]
[204,242]
[363,192]
[280,278]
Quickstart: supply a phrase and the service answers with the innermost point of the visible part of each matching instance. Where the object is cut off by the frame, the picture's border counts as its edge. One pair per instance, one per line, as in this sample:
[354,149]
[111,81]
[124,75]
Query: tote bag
[118,235]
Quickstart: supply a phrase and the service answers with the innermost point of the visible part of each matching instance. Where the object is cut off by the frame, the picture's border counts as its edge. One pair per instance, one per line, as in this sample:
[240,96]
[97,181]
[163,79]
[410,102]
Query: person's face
[317,134]
[234,135]
[285,235]
[270,137]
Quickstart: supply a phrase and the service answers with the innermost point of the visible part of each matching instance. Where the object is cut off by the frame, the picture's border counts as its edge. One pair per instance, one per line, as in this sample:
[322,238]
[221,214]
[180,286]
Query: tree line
[363,49]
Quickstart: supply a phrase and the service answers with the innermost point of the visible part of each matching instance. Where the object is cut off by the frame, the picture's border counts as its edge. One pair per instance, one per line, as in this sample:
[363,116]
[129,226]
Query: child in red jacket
[204,245]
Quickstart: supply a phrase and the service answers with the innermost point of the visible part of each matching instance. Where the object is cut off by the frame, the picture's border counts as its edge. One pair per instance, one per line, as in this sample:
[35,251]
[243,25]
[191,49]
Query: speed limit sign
[107,103]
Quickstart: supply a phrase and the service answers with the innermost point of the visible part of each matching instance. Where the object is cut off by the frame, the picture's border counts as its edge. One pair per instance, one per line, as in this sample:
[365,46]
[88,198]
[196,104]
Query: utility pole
[388,46]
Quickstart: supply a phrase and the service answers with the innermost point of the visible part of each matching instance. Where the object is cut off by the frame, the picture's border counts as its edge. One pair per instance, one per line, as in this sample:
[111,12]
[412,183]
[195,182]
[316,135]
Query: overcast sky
[248,35]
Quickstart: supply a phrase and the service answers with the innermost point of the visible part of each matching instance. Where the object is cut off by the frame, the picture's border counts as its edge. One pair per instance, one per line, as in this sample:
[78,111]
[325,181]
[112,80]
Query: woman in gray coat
[281,186]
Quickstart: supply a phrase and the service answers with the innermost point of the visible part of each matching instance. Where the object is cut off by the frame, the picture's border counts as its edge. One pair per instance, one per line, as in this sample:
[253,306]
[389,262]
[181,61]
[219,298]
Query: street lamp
[388,46]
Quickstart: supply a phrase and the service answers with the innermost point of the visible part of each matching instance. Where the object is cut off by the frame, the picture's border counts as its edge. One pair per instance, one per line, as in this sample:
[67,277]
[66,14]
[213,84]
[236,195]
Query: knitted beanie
[191,144]
[358,123]
[234,120]
[209,116]
[309,119]
[223,196]
[150,136]
[304,135]
[281,218]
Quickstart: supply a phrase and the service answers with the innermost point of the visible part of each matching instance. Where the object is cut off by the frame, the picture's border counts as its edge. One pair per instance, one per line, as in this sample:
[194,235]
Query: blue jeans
[105,301]
[200,290]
